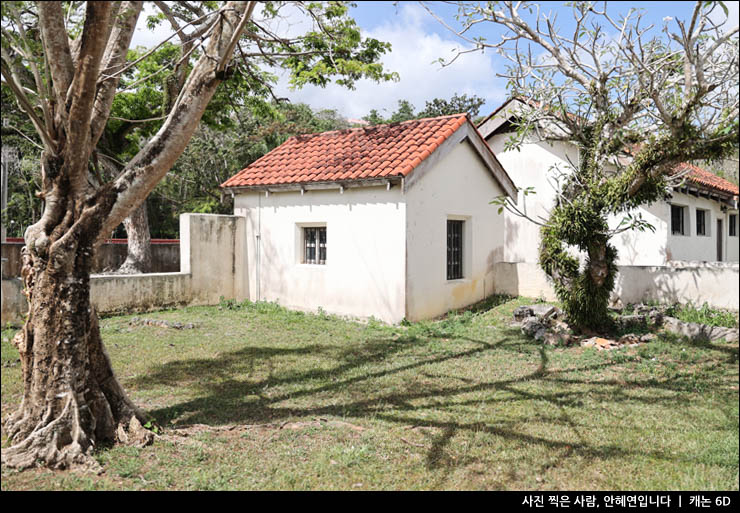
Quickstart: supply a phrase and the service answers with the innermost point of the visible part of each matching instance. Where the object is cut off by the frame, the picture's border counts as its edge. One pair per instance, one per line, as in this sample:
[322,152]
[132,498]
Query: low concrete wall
[209,270]
[165,257]
[714,283]
[13,302]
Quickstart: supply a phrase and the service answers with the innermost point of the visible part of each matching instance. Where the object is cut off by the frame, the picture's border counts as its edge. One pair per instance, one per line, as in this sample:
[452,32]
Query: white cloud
[415,48]
[147,38]
[730,20]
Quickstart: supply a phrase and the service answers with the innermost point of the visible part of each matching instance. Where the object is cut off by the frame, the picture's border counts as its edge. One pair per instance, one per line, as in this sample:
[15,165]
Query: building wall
[531,166]
[694,247]
[644,247]
[733,243]
[458,187]
[364,274]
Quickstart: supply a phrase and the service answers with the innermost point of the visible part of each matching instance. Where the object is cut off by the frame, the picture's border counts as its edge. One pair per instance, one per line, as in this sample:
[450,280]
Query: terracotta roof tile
[358,153]
[704,178]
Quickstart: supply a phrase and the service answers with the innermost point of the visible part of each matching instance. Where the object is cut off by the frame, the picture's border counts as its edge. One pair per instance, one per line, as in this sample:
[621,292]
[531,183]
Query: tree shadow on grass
[356,385]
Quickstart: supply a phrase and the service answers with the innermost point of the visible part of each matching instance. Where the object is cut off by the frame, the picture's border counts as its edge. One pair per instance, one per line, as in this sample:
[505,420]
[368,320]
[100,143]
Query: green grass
[704,315]
[465,402]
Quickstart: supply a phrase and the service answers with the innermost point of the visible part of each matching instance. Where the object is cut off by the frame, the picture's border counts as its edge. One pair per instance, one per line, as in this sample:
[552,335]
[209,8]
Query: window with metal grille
[454,250]
[314,245]
[733,225]
[677,224]
[701,222]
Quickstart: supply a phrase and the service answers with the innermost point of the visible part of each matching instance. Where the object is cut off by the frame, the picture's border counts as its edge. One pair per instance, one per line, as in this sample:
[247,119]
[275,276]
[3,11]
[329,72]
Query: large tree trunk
[139,252]
[72,400]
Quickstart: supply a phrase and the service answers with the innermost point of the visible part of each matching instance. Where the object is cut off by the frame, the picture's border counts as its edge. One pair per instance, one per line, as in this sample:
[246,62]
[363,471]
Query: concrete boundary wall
[714,283]
[213,263]
[209,269]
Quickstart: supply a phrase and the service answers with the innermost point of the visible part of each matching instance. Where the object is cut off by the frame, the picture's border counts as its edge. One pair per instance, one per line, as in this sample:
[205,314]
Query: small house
[391,221]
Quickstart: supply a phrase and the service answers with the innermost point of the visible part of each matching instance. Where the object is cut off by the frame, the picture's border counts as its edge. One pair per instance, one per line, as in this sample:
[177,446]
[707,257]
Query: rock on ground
[699,332]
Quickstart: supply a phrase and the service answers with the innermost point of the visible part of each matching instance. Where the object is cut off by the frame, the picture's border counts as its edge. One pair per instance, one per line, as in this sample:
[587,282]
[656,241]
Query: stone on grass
[522,313]
[540,311]
[554,338]
[629,340]
[699,332]
[600,343]
[534,327]
[631,321]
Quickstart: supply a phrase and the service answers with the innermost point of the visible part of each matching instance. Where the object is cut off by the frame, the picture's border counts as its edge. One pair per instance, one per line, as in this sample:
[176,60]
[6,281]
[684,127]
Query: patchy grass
[704,315]
[275,399]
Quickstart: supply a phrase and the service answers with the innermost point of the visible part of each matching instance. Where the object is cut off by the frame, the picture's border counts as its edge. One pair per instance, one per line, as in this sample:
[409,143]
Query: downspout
[259,239]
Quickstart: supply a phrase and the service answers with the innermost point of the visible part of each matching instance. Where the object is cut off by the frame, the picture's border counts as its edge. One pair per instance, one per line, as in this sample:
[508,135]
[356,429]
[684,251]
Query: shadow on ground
[351,384]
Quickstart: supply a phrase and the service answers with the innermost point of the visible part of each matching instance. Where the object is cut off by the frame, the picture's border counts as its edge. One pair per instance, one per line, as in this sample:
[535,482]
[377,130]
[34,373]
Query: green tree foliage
[215,154]
[455,105]
[436,107]
[18,136]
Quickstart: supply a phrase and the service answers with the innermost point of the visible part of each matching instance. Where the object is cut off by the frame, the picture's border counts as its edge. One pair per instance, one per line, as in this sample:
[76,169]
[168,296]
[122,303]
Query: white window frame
[300,252]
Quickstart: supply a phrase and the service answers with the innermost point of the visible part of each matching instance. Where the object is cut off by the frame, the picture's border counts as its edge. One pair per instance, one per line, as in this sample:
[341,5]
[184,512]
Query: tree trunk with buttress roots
[72,401]
[71,398]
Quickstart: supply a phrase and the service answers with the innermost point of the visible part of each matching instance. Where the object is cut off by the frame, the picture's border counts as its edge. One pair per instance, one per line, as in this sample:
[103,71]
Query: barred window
[701,222]
[454,250]
[677,220]
[314,245]
[733,225]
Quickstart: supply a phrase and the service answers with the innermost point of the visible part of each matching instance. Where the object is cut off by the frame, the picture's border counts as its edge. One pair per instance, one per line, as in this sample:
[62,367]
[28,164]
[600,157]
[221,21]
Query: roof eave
[387,181]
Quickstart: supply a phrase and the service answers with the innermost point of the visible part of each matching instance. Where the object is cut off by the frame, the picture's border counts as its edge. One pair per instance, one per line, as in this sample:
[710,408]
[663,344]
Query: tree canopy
[436,107]
[635,100]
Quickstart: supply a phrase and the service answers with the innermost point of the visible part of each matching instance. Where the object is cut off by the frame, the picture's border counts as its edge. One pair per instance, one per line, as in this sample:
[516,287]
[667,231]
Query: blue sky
[418,40]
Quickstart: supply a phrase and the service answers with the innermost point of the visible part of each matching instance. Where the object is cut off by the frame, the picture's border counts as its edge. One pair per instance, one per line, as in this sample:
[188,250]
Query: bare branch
[113,59]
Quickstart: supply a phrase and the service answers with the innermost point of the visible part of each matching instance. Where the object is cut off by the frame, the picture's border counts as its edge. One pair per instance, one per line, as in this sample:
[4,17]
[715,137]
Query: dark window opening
[733,225]
[701,222]
[454,250]
[314,243]
[677,224]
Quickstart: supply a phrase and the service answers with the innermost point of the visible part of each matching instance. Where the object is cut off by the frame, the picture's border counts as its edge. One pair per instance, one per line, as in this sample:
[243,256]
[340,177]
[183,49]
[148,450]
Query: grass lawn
[258,397]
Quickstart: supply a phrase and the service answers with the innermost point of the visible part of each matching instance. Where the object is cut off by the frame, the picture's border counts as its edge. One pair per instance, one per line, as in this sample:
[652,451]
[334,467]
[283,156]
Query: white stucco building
[390,221]
[699,222]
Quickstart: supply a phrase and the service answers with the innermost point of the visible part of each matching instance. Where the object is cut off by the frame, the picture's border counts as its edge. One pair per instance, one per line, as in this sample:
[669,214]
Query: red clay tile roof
[354,154]
[706,179]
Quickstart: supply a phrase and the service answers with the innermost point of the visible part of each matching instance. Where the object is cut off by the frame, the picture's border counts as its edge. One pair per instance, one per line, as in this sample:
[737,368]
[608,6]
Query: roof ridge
[373,127]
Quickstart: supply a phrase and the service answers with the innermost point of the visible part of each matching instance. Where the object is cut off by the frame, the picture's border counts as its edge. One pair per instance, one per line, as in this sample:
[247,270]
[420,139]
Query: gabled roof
[367,153]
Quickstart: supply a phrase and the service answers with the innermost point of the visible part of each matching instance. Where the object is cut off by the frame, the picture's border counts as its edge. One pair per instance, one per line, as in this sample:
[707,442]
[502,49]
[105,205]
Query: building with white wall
[698,223]
[390,221]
